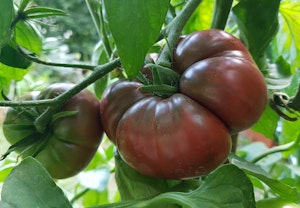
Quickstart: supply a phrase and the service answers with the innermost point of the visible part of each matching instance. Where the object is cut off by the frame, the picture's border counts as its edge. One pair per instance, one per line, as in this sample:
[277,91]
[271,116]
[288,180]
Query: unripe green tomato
[73,140]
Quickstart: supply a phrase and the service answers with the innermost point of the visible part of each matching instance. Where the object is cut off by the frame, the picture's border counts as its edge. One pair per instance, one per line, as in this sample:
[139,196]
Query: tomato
[73,140]
[276,203]
[218,72]
[173,138]
[187,134]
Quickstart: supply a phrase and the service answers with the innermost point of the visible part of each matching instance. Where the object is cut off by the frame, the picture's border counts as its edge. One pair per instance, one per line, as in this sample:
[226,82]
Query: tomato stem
[95,9]
[33,58]
[99,72]
[43,120]
[281,148]
[221,13]
[161,90]
[173,30]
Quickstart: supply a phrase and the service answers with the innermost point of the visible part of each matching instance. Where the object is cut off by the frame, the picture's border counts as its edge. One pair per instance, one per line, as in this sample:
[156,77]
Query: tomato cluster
[221,92]
[71,140]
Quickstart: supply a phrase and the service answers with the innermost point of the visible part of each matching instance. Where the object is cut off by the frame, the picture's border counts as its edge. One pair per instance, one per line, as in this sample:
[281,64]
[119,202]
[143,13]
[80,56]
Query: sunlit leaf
[28,36]
[99,57]
[284,190]
[201,18]
[267,123]
[11,57]
[288,38]
[135,26]
[258,24]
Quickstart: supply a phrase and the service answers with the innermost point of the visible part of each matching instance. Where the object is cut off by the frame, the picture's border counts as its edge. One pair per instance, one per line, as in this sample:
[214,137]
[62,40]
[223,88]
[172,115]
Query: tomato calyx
[34,142]
[159,80]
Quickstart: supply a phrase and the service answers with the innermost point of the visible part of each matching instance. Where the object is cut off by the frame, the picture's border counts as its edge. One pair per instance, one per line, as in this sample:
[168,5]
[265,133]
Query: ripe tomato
[173,138]
[187,134]
[218,72]
[73,140]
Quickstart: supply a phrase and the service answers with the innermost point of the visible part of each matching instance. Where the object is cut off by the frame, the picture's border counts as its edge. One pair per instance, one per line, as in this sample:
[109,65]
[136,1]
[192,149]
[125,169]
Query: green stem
[234,142]
[95,8]
[42,121]
[79,195]
[39,61]
[27,103]
[281,148]
[221,13]
[160,89]
[174,30]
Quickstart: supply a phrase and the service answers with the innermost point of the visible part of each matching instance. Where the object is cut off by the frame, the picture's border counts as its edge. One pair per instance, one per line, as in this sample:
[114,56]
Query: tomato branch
[281,148]
[42,121]
[173,31]
[95,9]
[54,104]
[35,59]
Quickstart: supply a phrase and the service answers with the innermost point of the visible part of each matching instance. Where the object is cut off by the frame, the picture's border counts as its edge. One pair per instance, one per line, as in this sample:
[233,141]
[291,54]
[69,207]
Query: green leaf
[235,193]
[284,190]
[201,18]
[226,187]
[10,56]
[267,123]
[11,73]
[23,5]
[5,205]
[41,12]
[133,185]
[288,38]
[258,24]
[29,185]
[135,27]
[6,17]
[279,74]
[99,57]
[4,84]
[28,36]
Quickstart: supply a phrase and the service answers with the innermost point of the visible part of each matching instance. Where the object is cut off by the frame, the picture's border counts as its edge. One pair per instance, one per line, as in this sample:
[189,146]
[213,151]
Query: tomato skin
[173,138]
[206,44]
[116,100]
[218,72]
[231,88]
[73,139]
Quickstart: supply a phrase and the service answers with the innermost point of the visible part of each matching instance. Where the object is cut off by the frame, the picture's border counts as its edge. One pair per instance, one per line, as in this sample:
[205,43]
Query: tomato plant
[200,105]
[70,141]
